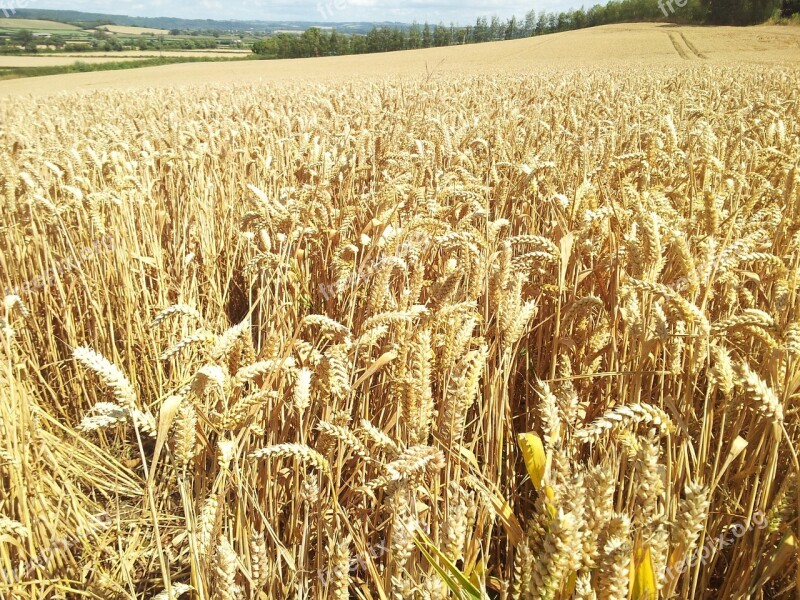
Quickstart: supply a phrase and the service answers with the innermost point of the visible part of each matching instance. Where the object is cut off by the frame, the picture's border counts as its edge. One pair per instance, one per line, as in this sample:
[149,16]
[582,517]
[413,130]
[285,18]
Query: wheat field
[610,46]
[506,336]
[64,59]
[121,29]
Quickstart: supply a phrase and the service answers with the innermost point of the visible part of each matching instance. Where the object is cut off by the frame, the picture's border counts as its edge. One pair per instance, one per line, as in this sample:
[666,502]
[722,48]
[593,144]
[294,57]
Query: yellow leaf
[535,457]
[570,586]
[468,455]
[779,558]
[737,447]
[165,418]
[148,260]
[643,576]
[565,246]
[478,574]
[384,359]
[551,496]
[502,508]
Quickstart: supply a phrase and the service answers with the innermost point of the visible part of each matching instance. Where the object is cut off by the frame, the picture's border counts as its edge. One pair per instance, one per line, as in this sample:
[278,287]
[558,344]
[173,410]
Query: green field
[80,66]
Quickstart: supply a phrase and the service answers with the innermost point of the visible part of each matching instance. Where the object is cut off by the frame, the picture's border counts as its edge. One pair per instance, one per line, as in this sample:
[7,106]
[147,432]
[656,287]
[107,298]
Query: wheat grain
[626,416]
[761,394]
[109,374]
[290,450]
[196,339]
[176,309]
[226,567]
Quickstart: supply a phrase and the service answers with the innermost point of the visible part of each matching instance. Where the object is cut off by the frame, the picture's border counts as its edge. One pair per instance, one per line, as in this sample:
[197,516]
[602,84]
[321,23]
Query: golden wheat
[371,291]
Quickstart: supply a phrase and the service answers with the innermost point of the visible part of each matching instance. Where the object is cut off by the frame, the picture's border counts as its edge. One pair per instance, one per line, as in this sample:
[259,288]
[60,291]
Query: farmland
[49,41]
[513,320]
[55,60]
[607,47]
[36,25]
[61,59]
[134,30]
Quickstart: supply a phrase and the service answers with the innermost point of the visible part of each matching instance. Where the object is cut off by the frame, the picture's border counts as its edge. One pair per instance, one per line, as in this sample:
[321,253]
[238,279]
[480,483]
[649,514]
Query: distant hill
[93,19]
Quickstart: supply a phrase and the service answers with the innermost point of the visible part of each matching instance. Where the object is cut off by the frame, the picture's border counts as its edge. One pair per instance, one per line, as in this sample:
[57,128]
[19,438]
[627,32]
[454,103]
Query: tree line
[323,42]
[23,40]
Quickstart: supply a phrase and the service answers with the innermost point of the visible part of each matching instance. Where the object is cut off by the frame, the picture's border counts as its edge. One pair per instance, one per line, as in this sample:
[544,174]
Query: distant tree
[113,44]
[358,44]
[344,44]
[441,36]
[529,27]
[789,8]
[333,43]
[496,29]
[312,42]
[594,16]
[579,19]
[541,23]
[738,12]
[373,40]
[481,32]
[287,45]
[511,29]
[456,35]
[22,37]
[415,36]
[397,39]
[204,42]
[427,38]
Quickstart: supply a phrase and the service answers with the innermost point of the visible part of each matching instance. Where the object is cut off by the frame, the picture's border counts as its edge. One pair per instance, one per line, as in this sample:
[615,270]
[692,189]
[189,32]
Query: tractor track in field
[692,48]
[677,45]
[685,49]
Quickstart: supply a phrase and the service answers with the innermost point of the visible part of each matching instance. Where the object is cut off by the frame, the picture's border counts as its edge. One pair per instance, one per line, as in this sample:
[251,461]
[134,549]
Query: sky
[457,11]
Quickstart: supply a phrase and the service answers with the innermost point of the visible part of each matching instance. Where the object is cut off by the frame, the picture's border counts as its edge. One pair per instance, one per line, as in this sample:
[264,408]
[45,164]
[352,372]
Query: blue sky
[457,11]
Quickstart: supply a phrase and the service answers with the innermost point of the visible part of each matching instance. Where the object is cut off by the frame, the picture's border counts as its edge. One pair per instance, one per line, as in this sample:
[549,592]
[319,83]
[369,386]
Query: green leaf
[453,578]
